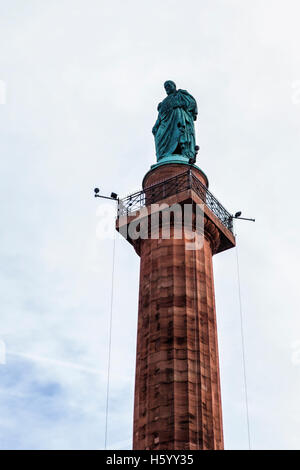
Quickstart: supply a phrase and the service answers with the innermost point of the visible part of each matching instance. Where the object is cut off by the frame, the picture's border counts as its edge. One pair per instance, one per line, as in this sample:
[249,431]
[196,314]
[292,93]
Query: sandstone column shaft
[177,395]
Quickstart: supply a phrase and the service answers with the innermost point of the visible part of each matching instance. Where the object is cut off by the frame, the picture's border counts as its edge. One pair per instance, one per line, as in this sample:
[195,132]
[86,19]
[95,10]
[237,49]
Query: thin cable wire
[243,347]
[110,335]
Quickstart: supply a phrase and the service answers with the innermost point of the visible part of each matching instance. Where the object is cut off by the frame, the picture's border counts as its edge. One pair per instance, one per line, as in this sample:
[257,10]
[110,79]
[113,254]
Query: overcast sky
[80,81]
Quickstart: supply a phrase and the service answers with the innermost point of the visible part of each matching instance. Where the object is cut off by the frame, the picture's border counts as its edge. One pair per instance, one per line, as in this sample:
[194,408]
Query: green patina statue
[174,130]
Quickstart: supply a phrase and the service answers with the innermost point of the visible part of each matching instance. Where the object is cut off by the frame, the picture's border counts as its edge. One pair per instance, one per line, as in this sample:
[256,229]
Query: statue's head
[170,87]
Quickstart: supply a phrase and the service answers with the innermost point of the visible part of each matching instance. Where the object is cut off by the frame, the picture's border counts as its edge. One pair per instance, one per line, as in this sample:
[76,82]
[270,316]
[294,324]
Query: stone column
[177,386]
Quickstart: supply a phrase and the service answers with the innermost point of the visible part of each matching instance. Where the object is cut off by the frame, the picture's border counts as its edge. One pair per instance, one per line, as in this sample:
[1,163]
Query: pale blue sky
[83,80]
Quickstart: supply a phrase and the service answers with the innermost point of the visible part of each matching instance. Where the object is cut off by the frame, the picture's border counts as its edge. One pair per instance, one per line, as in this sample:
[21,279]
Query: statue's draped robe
[175,132]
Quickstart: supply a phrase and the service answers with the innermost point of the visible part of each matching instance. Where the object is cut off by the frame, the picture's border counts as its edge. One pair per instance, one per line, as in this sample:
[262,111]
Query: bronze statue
[174,130]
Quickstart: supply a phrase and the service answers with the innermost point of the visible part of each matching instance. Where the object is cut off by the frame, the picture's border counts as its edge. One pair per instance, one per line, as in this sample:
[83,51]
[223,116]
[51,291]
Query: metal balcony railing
[174,185]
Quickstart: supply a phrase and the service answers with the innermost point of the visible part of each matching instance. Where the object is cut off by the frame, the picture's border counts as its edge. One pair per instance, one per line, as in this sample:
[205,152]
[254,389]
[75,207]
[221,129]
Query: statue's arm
[190,104]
